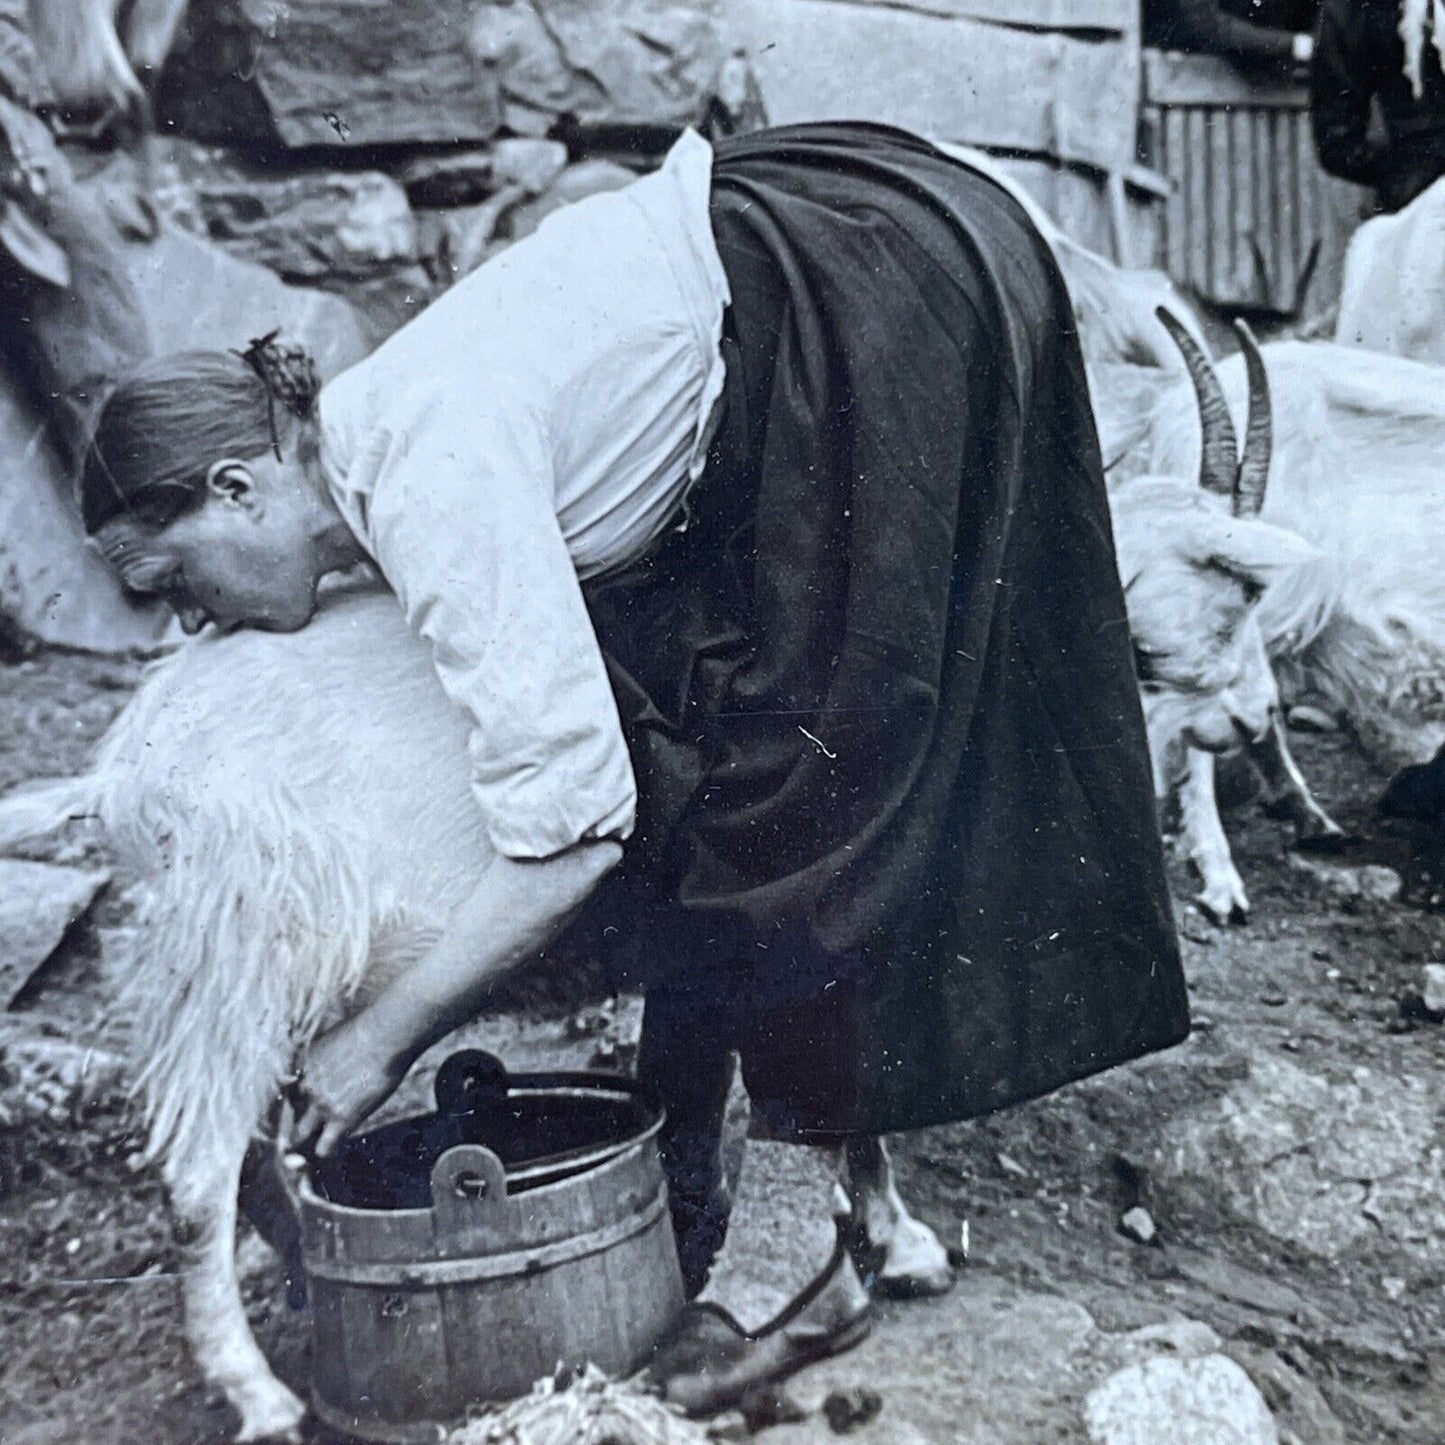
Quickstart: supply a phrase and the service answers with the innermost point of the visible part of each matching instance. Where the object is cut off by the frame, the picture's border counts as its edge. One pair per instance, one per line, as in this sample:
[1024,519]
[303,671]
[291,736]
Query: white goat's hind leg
[914,1261]
[216,1326]
[1286,794]
[1222,896]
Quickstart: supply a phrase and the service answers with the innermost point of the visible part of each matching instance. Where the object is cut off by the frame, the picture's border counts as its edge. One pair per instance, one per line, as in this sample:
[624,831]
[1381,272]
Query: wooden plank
[1246,221]
[1261,178]
[1311,228]
[1171,78]
[1222,276]
[956,79]
[1286,223]
[1196,199]
[1119,16]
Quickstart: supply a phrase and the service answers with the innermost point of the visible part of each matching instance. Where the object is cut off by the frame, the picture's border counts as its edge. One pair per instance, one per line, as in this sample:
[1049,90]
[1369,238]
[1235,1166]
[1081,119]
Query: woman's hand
[513,911]
[345,1076]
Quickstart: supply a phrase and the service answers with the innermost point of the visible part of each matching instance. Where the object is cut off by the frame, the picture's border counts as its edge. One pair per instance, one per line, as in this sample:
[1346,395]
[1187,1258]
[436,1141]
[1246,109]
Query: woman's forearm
[514,910]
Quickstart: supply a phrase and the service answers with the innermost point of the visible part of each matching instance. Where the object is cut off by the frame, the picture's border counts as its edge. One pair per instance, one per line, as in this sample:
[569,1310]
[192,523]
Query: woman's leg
[686,1063]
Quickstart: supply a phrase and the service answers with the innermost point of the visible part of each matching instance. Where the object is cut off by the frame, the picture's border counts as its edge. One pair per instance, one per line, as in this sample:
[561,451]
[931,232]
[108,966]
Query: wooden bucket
[507,1258]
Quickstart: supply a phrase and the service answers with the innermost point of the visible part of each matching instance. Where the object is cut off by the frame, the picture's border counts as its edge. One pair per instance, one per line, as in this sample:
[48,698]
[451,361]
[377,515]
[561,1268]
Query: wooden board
[1080,205]
[957,79]
[1172,78]
[1119,16]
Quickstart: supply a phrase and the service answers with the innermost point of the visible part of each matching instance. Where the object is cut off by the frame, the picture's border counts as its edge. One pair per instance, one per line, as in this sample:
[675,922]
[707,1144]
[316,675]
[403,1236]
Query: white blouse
[535,425]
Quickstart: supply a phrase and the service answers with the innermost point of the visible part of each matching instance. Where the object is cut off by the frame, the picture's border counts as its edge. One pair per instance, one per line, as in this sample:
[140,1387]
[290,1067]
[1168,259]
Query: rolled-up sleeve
[463,523]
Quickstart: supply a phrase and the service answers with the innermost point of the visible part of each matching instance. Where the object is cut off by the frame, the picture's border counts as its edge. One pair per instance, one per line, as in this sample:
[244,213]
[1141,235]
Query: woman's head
[199,486]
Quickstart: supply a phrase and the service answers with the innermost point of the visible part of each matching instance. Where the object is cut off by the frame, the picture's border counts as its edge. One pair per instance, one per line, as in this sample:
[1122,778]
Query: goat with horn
[1194,574]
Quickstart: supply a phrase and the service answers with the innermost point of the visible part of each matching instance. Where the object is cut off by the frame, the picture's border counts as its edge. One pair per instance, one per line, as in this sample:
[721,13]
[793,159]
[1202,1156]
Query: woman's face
[244,557]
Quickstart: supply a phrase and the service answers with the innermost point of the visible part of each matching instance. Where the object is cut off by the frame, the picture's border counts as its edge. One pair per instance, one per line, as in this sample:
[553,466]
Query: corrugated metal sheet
[1248,206]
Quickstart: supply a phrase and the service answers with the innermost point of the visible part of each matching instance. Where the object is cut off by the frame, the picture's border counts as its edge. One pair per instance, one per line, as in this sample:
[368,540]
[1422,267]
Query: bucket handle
[467,1182]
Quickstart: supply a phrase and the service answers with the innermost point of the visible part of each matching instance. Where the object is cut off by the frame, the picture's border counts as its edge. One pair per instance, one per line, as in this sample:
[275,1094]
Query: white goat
[1359,472]
[1393,296]
[88,65]
[1194,574]
[297,816]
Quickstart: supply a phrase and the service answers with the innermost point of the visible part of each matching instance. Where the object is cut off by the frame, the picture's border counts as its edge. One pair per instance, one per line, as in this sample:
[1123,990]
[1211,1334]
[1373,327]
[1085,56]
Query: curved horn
[1253,475]
[1219,449]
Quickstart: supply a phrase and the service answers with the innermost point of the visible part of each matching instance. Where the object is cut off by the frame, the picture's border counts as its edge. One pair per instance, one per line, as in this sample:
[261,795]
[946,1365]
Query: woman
[799,434]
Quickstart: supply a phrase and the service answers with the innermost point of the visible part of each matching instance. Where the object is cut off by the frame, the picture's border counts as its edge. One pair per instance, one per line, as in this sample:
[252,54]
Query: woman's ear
[230,480]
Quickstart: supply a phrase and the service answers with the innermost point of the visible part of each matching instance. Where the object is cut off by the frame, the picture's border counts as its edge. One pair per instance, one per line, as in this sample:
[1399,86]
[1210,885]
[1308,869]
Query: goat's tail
[36,810]
[253,932]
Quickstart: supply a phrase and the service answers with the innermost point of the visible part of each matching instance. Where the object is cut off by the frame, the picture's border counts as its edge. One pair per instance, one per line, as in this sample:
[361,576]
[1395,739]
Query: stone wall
[376,150]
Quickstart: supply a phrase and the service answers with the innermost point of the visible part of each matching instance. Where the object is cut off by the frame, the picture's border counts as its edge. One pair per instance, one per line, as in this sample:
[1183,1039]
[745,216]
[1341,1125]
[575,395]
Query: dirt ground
[1289,1155]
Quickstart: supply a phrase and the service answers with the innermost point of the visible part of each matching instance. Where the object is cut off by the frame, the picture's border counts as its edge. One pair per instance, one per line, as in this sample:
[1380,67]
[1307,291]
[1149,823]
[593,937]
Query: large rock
[338,72]
[133,298]
[1208,1401]
[51,584]
[39,902]
[1326,1164]
[20,75]
[307,226]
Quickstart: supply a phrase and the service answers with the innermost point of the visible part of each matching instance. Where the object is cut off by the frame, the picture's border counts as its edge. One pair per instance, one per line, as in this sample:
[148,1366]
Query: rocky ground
[1289,1160]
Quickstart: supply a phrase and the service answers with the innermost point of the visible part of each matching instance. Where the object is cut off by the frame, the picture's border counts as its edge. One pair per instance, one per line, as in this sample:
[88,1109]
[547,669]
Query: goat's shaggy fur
[1358,470]
[1393,295]
[254,845]
[296,818]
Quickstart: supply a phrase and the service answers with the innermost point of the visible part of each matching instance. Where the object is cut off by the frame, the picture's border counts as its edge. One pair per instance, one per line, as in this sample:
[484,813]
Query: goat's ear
[1253,552]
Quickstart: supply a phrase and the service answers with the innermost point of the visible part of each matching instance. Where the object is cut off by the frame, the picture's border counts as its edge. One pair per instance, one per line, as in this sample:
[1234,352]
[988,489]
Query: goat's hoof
[915,1265]
[915,1284]
[273,1414]
[1224,904]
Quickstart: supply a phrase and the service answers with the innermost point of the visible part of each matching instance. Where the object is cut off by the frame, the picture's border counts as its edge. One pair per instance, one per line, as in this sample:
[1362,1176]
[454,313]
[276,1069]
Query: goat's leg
[908,1257]
[151,32]
[215,1319]
[1287,795]
[1222,896]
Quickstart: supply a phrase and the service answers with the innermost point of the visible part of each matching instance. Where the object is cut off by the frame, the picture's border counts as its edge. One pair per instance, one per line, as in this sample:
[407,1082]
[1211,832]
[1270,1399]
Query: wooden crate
[1249,204]
[991,73]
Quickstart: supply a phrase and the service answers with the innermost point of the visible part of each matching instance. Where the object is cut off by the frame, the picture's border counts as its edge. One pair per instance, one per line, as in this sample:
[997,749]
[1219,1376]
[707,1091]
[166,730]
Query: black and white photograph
[722,720]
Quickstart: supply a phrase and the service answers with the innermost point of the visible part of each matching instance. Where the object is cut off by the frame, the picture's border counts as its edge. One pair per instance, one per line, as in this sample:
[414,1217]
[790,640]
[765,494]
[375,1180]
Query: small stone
[531,164]
[1306,718]
[1372,882]
[1010,1165]
[1138,1225]
[1434,988]
[847,1410]
[1394,1288]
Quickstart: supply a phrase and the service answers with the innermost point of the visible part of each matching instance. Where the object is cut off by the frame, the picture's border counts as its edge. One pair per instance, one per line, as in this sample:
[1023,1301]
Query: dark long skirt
[897,838]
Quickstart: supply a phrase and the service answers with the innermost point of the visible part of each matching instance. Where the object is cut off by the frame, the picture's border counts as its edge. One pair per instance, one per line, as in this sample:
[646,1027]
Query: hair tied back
[289,375]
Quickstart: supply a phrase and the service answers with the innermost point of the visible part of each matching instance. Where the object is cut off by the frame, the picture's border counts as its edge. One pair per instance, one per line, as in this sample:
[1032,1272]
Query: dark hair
[173,417]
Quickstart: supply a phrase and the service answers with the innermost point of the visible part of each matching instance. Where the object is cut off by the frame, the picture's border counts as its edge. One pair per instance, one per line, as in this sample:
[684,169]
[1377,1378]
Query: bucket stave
[512,1269]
